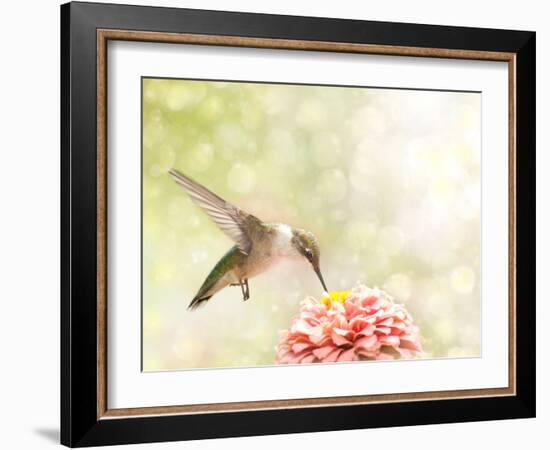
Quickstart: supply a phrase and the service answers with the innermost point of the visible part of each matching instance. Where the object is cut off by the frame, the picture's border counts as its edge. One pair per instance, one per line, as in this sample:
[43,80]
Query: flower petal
[388,321]
[308,359]
[301,326]
[383,330]
[348,355]
[323,352]
[332,357]
[390,340]
[299,346]
[367,342]
[341,331]
[339,340]
[410,344]
[367,330]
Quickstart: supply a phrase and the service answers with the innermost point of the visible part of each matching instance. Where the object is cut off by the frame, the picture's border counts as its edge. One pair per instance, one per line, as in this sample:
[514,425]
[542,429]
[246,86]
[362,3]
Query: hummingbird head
[306,245]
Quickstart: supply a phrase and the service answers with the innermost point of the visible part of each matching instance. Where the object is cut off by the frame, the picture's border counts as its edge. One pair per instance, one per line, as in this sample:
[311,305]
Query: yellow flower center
[334,296]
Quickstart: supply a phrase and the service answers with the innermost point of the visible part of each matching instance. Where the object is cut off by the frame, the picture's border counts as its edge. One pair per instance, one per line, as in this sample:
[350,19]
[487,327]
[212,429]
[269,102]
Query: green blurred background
[387,179]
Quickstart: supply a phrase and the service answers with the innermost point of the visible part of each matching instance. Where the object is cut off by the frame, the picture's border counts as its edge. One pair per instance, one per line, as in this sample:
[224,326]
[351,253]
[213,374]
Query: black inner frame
[79,423]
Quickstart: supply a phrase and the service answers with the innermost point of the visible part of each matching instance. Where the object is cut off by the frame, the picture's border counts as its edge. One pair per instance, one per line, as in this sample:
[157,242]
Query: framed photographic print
[277,224]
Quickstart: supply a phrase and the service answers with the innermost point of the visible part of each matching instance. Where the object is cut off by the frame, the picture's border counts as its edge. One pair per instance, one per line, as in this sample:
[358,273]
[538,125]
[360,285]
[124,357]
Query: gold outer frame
[104,35]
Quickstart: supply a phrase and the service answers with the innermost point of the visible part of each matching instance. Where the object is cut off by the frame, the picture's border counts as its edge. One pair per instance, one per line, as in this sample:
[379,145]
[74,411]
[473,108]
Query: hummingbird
[258,245]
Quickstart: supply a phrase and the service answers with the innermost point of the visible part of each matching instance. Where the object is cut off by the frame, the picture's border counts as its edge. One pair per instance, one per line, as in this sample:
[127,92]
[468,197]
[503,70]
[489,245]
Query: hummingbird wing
[234,222]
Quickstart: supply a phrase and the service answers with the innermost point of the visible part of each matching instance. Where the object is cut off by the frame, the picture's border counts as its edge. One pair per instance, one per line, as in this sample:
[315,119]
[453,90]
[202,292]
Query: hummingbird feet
[244,288]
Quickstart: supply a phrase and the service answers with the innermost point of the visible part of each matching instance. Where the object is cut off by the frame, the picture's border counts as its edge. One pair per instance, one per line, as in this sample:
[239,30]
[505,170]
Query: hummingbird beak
[318,272]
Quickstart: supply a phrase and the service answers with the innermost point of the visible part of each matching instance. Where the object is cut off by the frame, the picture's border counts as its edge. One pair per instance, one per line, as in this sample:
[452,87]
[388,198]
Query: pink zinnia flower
[361,324]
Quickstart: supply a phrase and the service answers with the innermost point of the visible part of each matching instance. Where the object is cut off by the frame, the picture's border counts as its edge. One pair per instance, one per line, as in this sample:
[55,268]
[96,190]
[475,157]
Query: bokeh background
[387,179]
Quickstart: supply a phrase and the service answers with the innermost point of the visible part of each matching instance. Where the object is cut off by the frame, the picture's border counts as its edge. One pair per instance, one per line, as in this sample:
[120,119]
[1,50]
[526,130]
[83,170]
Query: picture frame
[86,30]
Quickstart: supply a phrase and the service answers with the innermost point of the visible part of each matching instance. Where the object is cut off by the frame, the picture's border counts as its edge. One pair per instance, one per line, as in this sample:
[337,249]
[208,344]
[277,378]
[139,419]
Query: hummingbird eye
[308,254]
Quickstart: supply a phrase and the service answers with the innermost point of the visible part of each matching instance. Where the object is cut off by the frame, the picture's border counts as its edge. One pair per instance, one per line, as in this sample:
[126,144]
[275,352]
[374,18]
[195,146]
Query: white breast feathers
[282,245]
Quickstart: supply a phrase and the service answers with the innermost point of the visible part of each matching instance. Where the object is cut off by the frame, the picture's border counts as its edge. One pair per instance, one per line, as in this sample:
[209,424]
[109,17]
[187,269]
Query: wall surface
[29,237]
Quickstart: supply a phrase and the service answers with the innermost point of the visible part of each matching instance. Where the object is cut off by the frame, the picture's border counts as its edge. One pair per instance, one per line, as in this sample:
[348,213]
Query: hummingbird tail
[197,302]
